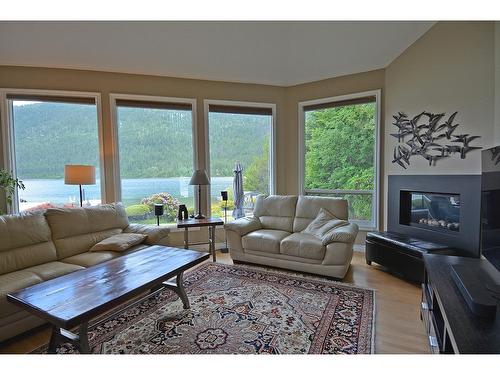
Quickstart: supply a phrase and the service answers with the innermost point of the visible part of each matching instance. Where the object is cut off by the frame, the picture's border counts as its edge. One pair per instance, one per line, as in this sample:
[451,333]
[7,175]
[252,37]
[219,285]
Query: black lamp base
[199,216]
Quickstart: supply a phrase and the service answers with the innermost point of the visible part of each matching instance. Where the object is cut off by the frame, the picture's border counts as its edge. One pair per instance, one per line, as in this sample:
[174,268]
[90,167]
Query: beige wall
[450,68]
[286,100]
[106,83]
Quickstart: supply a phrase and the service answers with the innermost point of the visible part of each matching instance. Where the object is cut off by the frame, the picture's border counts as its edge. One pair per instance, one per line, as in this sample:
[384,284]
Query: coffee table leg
[55,338]
[178,288]
[186,238]
[181,291]
[59,335]
[83,339]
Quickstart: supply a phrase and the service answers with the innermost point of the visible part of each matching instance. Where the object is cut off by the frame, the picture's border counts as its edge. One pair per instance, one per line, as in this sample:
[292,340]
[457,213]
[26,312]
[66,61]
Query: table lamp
[199,178]
[79,175]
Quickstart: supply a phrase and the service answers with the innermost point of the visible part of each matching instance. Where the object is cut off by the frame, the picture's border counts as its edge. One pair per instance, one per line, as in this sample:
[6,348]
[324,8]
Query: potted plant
[9,184]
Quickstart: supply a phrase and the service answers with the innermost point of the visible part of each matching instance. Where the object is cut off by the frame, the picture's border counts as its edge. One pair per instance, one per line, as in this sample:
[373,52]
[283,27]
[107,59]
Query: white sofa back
[276,211]
[76,230]
[25,241]
[308,208]
[293,213]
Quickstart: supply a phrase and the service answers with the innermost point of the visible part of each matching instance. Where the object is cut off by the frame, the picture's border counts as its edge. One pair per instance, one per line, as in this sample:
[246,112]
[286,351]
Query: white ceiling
[277,53]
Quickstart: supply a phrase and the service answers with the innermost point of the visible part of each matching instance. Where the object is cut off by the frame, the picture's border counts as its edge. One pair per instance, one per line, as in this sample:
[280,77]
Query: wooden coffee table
[74,299]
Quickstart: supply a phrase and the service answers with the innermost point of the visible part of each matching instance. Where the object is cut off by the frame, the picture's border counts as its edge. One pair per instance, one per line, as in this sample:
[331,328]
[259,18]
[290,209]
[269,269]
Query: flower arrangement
[170,204]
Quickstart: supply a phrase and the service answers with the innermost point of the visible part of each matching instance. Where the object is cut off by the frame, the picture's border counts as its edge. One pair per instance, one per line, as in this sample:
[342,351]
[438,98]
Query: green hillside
[153,143]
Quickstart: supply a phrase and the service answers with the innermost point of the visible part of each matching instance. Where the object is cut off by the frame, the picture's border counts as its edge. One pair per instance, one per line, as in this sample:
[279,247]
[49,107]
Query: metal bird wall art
[495,155]
[424,135]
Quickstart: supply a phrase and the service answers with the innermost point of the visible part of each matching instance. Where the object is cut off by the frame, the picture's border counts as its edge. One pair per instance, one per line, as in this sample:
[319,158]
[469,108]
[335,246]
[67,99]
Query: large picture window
[339,142]
[239,133]
[45,132]
[155,148]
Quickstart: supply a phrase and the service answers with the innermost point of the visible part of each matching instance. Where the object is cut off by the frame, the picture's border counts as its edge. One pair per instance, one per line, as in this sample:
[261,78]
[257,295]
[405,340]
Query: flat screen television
[480,287]
[490,206]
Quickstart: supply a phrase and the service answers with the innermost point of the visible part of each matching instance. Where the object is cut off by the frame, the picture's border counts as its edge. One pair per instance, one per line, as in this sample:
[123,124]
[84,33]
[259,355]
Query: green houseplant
[9,184]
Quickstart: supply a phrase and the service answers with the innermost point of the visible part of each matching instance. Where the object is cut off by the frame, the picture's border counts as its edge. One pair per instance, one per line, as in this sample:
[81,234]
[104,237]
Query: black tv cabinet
[450,325]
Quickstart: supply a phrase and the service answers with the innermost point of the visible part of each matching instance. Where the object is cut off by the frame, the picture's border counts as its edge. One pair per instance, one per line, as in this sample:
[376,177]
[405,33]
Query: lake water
[133,190]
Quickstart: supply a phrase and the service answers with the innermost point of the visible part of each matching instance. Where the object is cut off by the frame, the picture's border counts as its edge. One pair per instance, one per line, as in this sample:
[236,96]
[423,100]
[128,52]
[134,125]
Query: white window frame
[233,103]
[377,159]
[7,128]
[114,131]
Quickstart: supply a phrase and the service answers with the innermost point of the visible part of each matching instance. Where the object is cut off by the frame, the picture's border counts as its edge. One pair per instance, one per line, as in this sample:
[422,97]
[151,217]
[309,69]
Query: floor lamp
[79,175]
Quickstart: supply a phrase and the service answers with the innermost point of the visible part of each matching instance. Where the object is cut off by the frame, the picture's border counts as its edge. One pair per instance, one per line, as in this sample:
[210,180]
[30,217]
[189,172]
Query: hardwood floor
[398,328]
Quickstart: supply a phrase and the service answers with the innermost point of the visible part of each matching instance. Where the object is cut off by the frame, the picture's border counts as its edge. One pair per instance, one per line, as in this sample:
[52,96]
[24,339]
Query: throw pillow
[119,242]
[324,222]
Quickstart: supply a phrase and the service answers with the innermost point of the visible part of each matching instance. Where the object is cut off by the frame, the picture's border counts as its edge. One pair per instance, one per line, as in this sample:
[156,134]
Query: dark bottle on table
[182,208]
[185,212]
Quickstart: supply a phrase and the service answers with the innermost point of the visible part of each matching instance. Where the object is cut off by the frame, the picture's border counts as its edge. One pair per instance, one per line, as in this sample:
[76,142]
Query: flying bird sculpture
[425,132]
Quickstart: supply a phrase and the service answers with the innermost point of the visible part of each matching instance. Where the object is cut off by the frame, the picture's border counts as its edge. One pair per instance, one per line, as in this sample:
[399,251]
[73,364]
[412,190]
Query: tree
[256,177]
[340,145]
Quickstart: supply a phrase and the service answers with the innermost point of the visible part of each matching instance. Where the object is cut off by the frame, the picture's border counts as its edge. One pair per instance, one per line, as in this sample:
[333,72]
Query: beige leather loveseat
[35,247]
[274,237]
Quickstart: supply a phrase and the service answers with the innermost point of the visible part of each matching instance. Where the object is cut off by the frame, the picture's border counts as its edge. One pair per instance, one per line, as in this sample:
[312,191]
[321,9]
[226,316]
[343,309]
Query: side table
[210,222]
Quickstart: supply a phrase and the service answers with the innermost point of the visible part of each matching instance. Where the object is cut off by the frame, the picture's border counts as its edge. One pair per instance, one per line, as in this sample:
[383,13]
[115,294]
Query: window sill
[173,228]
[364,225]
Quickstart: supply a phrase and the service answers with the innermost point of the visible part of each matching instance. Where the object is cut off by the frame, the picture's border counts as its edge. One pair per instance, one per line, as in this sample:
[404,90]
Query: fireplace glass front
[431,211]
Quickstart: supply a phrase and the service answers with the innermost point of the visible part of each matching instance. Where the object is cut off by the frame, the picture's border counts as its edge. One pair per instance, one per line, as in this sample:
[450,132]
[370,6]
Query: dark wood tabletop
[208,221]
[69,300]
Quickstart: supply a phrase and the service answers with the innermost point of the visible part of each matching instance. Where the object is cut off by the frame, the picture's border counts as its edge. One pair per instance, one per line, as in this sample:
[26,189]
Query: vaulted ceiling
[277,53]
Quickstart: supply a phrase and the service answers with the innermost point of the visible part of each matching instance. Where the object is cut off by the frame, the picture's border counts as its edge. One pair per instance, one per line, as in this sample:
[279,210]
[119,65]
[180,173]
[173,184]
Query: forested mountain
[50,135]
[153,143]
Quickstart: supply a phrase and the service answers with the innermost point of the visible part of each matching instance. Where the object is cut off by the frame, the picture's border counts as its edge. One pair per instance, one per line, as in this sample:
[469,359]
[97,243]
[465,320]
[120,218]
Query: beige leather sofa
[273,235]
[40,246]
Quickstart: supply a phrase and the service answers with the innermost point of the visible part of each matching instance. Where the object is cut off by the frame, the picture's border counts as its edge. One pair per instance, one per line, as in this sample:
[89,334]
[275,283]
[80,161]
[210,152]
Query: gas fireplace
[444,209]
[431,210]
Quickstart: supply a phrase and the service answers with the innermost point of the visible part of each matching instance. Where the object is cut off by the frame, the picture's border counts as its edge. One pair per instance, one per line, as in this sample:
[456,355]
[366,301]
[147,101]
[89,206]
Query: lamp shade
[79,175]
[199,178]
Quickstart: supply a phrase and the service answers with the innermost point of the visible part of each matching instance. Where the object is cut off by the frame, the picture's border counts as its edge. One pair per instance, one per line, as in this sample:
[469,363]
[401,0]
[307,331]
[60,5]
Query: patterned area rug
[247,310]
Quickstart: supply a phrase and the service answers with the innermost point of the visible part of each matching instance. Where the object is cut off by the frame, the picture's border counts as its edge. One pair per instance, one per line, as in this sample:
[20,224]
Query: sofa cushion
[70,246]
[303,245]
[11,282]
[276,211]
[76,230]
[308,208]
[324,222]
[119,242]
[267,240]
[91,258]
[52,270]
[24,241]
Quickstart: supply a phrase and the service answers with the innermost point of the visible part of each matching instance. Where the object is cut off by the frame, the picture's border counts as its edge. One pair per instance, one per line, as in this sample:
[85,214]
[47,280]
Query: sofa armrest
[155,235]
[244,225]
[344,234]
